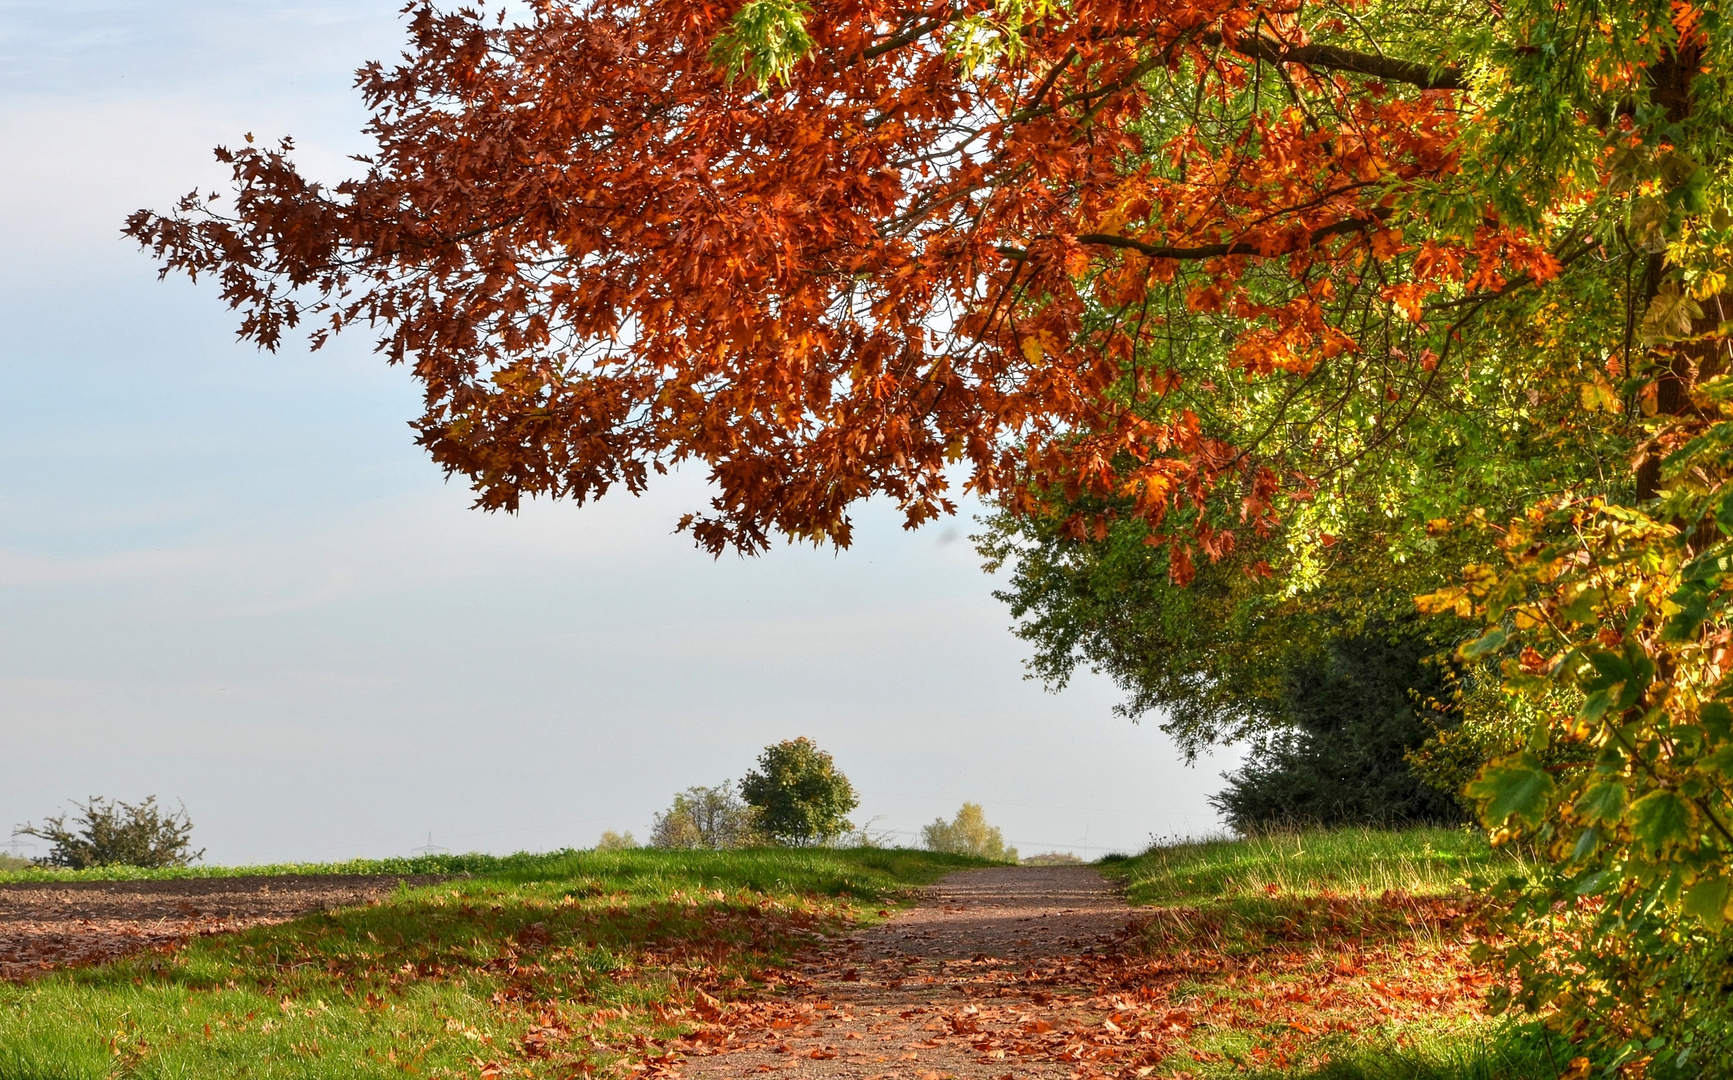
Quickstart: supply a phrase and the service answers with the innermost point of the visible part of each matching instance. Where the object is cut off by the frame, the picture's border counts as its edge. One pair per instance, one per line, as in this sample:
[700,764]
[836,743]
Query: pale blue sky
[230,578]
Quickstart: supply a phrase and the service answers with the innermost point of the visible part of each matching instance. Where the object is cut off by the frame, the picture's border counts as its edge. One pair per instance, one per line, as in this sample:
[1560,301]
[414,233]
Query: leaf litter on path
[1044,973]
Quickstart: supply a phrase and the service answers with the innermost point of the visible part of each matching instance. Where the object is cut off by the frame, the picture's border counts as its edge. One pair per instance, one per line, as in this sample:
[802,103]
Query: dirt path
[1000,972]
[50,924]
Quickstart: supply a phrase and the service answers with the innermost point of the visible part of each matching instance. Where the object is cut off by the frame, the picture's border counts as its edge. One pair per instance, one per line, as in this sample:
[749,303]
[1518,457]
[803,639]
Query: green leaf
[1582,608]
[1707,900]
[1586,844]
[1661,819]
[1611,667]
[1670,315]
[1604,803]
[1490,641]
[1721,761]
[1595,705]
[765,39]
[1693,612]
[1717,719]
[1514,786]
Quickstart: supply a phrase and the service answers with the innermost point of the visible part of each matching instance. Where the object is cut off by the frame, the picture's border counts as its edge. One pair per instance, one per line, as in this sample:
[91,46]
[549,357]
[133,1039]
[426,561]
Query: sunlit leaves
[1516,787]
[1662,820]
[1670,314]
[765,39]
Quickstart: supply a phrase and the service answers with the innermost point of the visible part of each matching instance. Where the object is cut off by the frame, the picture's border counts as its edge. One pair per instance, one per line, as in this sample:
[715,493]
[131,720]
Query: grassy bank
[491,865]
[1335,955]
[533,966]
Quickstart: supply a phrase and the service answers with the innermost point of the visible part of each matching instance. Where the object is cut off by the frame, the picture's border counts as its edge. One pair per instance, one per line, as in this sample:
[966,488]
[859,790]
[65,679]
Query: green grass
[1496,1052]
[543,965]
[1330,955]
[20,870]
[1421,861]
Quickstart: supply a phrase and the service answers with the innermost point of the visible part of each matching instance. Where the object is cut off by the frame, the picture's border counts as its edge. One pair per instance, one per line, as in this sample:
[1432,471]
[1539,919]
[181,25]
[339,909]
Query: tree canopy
[797,794]
[1008,239]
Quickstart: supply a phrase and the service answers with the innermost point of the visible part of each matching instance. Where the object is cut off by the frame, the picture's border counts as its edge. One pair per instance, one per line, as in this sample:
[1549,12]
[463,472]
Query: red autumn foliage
[602,256]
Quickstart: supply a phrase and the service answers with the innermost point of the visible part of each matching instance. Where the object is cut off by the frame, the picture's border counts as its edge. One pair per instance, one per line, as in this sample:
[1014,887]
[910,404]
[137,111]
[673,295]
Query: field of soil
[50,924]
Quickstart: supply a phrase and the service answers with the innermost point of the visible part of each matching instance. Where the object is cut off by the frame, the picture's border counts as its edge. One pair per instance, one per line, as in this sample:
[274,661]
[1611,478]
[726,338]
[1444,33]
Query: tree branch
[1216,251]
[1332,58]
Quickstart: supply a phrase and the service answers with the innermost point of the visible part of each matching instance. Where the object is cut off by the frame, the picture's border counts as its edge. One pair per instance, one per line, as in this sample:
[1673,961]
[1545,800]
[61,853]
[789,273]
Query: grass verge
[1331,955]
[543,966]
[23,871]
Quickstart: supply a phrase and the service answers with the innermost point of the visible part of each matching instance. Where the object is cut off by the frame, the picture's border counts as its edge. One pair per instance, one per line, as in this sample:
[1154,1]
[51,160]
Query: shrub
[115,833]
[799,795]
[706,817]
[968,834]
[613,841]
[1358,710]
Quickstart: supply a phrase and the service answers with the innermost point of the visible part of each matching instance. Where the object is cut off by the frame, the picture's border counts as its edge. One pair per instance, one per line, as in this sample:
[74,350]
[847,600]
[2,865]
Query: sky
[229,579]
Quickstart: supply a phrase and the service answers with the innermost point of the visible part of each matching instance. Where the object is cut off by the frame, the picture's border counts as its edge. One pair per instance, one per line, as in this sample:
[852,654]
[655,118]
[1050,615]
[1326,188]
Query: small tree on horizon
[968,834]
[706,817]
[613,841]
[799,795]
[114,833]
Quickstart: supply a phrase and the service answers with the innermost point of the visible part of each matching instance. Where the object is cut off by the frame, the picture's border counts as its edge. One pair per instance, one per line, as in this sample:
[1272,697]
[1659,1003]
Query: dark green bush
[1357,708]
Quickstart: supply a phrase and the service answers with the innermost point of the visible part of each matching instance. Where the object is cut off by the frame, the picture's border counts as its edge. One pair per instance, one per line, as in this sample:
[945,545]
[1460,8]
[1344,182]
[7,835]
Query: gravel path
[991,976]
[50,924]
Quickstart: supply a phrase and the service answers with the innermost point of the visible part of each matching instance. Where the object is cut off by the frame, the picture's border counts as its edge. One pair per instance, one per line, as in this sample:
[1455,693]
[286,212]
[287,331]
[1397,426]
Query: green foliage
[968,834]
[1612,620]
[1358,708]
[613,841]
[706,817]
[1209,657]
[114,833]
[798,794]
[765,39]
[442,979]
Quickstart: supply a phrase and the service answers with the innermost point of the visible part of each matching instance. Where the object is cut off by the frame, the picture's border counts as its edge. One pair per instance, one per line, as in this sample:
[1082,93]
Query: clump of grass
[1427,861]
[543,966]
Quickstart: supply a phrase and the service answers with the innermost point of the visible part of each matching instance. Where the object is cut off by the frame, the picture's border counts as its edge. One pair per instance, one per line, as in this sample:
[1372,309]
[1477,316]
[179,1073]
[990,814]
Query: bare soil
[998,973]
[51,924]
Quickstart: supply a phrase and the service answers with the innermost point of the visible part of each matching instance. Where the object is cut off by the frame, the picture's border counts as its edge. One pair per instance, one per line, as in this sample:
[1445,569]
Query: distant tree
[114,833]
[969,834]
[1052,858]
[1359,706]
[799,795]
[706,817]
[613,841]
